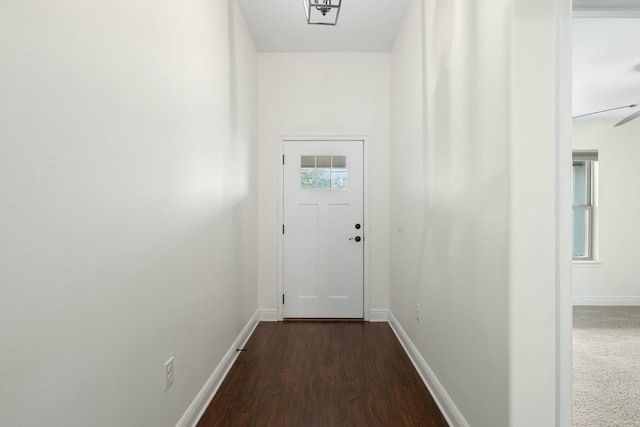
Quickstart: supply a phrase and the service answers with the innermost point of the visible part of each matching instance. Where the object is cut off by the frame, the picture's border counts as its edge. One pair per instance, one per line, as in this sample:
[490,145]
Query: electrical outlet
[418,312]
[168,374]
[400,225]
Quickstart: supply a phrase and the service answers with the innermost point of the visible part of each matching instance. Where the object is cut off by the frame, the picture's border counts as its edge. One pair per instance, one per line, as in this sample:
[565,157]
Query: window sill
[587,264]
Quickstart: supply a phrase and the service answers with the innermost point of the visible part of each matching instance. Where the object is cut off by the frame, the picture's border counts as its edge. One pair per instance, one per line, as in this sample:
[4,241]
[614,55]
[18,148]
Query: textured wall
[128,209]
[450,174]
[614,280]
[473,202]
[317,95]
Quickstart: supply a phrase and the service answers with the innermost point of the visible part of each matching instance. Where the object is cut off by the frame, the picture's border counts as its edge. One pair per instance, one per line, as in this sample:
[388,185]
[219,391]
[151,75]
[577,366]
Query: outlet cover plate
[168,373]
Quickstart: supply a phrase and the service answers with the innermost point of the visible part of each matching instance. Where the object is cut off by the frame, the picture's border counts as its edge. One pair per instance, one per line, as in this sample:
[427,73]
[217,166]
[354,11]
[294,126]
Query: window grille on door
[323,172]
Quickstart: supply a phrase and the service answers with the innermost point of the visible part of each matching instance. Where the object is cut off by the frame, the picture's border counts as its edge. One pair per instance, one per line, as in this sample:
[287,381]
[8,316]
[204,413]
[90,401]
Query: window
[584,215]
[323,172]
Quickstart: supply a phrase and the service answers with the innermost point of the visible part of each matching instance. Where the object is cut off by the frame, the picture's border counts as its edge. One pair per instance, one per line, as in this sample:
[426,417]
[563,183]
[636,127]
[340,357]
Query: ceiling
[606,40]
[606,66]
[363,26]
[606,58]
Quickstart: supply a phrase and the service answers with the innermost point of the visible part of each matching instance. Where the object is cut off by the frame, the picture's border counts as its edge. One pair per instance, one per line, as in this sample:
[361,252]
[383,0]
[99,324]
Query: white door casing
[323,240]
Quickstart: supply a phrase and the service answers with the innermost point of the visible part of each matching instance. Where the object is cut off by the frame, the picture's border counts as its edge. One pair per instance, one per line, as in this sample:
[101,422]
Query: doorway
[323,231]
[604,271]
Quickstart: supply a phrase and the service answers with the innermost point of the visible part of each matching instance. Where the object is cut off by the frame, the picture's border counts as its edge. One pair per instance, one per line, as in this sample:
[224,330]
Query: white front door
[323,229]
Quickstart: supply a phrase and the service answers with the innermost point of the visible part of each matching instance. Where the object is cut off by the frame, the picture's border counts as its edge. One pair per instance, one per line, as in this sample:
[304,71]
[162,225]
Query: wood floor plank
[322,374]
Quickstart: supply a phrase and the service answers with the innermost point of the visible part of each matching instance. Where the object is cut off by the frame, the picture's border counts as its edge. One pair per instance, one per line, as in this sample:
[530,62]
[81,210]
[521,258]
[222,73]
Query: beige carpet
[606,366]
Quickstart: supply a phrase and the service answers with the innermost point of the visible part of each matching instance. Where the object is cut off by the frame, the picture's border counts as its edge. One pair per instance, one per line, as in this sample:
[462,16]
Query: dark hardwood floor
[322,374]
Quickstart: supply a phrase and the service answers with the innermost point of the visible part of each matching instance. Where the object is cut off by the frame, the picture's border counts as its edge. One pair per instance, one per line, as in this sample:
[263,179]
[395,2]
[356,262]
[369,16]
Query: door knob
[357,238]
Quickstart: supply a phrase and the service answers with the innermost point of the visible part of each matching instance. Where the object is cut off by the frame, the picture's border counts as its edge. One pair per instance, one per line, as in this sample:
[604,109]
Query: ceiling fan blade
[628,119]
[604,111]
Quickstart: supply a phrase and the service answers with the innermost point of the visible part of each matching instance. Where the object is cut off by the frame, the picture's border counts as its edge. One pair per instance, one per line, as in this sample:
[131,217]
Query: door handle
[357,238]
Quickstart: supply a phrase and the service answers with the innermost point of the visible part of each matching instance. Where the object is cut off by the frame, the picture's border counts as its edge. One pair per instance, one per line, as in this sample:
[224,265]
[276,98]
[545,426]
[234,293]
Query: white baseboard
[445,403]
[268,315]
[204,397]
[271,315]
[594,300]
[378,315]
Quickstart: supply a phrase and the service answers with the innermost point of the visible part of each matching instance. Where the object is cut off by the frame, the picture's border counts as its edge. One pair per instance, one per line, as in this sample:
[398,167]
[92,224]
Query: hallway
[323,374]
[142,228]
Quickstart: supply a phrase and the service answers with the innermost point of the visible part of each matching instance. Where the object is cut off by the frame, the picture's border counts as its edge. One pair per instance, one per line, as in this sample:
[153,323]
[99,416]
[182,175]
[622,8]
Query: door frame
[564,220]
[564,216]
[365,206]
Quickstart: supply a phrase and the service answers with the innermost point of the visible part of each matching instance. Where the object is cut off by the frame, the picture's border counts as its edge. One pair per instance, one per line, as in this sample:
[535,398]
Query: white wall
[324,95]
[539,201]
[615,279]
[460,142]
[128,164]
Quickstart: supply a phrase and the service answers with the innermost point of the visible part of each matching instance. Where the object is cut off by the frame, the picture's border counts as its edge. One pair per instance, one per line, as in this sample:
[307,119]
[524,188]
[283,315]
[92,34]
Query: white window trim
[594,259]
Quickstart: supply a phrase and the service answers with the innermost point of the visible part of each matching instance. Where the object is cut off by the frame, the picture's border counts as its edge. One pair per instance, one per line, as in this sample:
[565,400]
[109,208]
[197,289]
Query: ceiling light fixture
[322,12]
